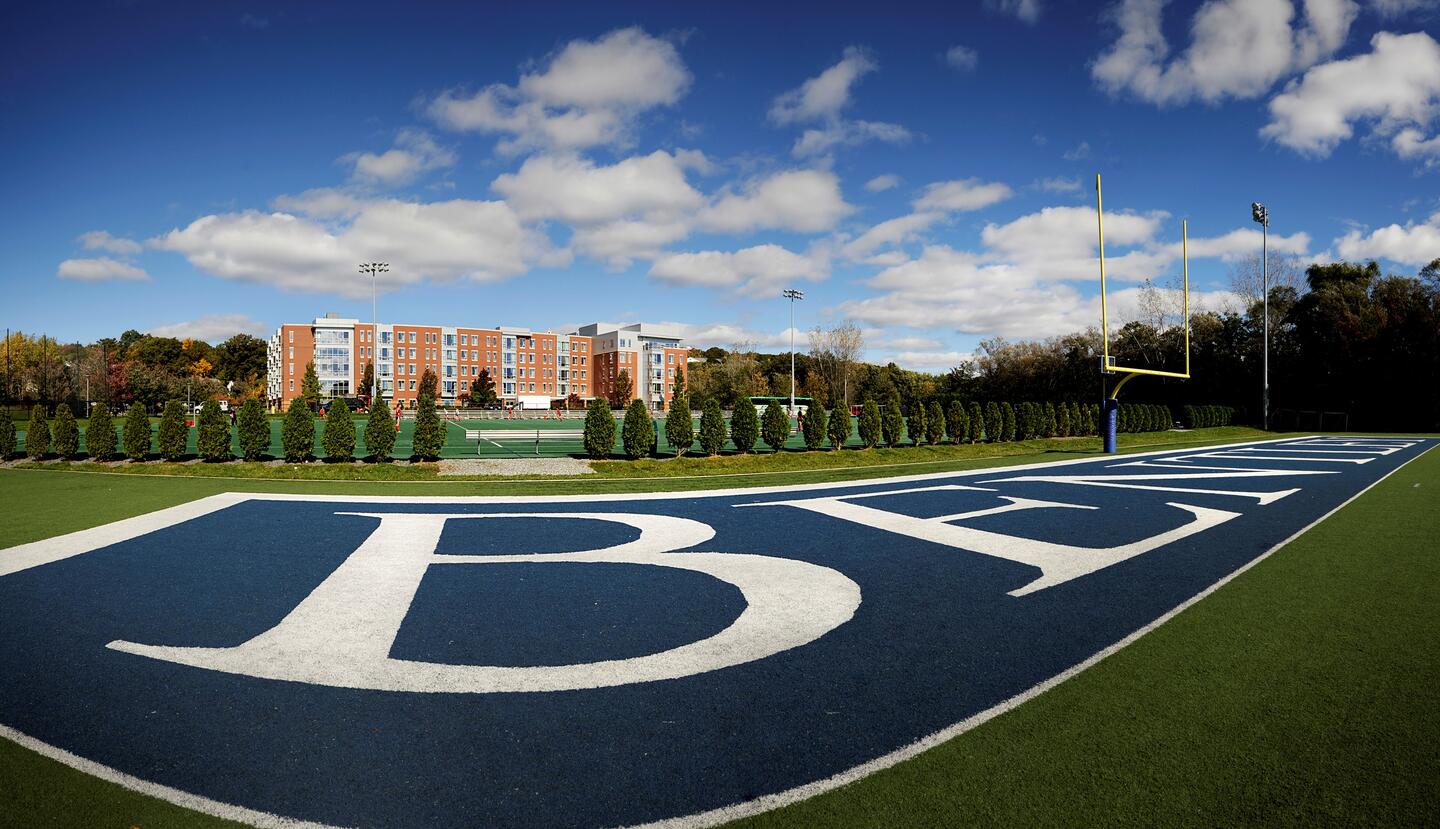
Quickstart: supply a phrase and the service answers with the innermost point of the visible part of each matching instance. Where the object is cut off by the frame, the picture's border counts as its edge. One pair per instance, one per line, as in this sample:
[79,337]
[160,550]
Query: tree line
[131,368]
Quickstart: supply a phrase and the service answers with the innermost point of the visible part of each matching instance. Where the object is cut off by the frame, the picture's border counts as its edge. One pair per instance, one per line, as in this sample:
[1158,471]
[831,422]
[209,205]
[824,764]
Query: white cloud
[1079,152]
[822,98]
[1396,85]
[962,195]
[212,328]
[1238,48]
[1401,8]
[847,133]
[103,269]
[589,94]
[726,335]
[937,200]
[577,191]
[626,68]
[962,58]
[1027,11]
[892,232]
[1414,243]
[806,201]
[882,183]
[951,289]
[1057,235]
[415,151]
[756,271]
[910,344]
[321,203]
[620,242]
[482,240]
[939,360]
[1027,279]
[102,240]
[1411,144]
[1058,184]
[1242,242]
[824,95]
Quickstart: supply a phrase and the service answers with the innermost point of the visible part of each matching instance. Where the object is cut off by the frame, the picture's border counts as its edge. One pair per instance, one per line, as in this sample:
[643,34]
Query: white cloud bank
[1415,243]
[481,240]
[1022,281]
[1238,48]
[102,240]
[103,269]
[1396,86]
[589,94]
[415,152]
[822,98]
[755,271]
[212,328]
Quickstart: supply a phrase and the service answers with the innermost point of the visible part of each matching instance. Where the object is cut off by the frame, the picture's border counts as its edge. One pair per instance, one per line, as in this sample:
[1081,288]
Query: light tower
[374,269]
[1262,216]
[792,295]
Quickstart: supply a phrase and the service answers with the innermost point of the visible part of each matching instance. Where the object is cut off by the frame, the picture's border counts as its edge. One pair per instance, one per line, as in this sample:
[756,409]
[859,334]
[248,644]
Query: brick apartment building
[529,369]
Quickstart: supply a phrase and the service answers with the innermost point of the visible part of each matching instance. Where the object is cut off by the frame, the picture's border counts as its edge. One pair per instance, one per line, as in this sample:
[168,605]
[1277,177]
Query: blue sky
[925,171]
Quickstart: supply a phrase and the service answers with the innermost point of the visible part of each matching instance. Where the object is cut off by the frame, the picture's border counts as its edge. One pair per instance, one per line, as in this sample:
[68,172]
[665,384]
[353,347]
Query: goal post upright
[1109,399]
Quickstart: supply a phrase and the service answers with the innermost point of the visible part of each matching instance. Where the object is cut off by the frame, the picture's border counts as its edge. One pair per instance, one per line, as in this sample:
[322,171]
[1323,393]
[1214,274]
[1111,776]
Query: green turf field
[1304,692]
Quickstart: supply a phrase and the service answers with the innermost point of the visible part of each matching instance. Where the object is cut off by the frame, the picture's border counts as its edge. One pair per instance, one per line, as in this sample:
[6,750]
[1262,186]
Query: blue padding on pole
[1109,414]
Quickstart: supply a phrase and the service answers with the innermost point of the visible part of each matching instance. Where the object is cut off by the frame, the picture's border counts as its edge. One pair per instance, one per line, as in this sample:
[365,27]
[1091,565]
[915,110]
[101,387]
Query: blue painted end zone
[937,638]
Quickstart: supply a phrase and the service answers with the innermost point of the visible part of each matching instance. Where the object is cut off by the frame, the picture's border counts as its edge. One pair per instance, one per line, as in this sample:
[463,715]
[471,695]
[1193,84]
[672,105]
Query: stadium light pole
[1262,216]
[792,295]
[374,269]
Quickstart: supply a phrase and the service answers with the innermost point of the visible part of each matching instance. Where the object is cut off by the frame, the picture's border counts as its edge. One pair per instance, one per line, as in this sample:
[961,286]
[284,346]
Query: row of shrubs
[1201,417]
[933,424]
[991,422]
[212,438]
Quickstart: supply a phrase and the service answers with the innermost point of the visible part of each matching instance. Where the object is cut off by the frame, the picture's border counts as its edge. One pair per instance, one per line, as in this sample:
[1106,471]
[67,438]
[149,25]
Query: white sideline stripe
[698,820]
[195,802]
[45,551]
[790,796]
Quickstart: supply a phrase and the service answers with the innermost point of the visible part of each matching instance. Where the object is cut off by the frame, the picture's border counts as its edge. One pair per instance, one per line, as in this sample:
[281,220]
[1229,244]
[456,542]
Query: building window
[292,336]
[292,384]
[412,385]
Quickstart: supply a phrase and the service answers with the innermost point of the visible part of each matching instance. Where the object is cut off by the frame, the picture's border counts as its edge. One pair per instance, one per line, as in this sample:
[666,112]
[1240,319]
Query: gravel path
[517,466]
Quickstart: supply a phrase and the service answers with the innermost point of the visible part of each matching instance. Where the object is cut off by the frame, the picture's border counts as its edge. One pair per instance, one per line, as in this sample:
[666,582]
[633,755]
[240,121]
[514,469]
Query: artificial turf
[40,498]
[1305,691]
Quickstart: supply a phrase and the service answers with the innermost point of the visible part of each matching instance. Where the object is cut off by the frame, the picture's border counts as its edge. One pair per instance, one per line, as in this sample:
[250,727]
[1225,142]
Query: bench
[497,435]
